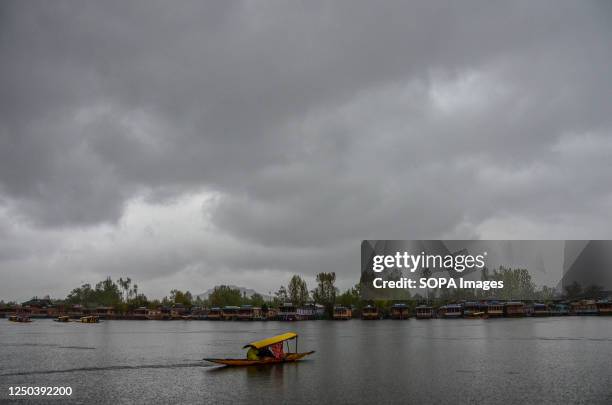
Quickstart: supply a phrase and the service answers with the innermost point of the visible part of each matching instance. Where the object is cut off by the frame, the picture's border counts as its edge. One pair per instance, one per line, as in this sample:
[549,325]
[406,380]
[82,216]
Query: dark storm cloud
[314,124]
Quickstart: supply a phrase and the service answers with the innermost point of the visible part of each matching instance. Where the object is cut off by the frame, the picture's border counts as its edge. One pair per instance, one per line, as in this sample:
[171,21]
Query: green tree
[224,295]
[281,296]
[298,291]
[325,293]
[180,297]
[351,297]
[125,286]
[257,300]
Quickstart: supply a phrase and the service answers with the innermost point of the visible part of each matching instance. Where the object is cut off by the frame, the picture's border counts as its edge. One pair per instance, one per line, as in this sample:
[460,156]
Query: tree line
[124,295]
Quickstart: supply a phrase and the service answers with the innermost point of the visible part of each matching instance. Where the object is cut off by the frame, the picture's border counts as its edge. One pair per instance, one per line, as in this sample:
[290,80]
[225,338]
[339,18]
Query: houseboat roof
[514,303]
[399,305]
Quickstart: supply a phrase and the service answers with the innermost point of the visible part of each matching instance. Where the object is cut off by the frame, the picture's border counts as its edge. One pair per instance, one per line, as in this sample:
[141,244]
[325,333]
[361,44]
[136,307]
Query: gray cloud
[311,126]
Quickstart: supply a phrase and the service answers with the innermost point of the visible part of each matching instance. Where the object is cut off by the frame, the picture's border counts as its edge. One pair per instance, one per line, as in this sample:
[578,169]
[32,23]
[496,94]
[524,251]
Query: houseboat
[36,307]
[272,314]
[495,309]
[76,311]
[472,309]
[342,313]
[310,311]
[287,312]
[513,309]
[424,312]
[540,309]
[451,311]
[370,313]
[249,313]
[584,307]
[105,312]
[560,309]
[214,314]
[604,307]
[179,311]
[165,313]
[400,311]
[230,313]
[198,313]
[139,313]
[19,318]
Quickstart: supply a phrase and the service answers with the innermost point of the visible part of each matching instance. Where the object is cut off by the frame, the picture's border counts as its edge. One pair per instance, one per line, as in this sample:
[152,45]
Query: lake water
[522,361]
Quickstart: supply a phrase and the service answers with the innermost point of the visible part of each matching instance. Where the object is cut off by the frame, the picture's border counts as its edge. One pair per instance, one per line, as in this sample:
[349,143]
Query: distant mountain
[248,291]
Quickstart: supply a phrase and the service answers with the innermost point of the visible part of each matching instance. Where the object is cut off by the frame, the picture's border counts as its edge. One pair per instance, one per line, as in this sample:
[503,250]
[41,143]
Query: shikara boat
[90,319]
[19,318]
[63,318]
[281,357]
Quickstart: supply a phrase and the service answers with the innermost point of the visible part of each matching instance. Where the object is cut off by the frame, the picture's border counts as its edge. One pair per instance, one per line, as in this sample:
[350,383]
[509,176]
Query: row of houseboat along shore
[311,311]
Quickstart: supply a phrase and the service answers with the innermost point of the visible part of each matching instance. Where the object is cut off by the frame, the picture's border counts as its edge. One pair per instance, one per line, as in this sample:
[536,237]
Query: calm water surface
[522,361]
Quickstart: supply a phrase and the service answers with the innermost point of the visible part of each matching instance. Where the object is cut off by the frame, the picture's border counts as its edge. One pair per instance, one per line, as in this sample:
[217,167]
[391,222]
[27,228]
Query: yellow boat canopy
[260,344]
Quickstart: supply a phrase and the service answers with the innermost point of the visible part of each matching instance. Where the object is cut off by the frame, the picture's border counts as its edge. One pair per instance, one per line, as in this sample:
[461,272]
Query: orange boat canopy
[260,344]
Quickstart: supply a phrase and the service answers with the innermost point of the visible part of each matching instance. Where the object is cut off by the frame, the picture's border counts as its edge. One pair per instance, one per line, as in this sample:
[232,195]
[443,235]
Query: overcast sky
[188,144]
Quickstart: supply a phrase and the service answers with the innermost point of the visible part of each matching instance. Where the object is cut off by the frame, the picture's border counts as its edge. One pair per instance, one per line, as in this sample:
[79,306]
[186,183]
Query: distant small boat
[63,318]
[276,343]
[19,318]
[90,319]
